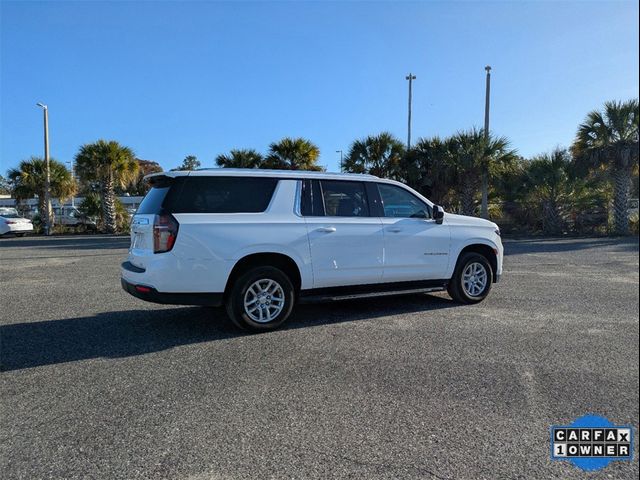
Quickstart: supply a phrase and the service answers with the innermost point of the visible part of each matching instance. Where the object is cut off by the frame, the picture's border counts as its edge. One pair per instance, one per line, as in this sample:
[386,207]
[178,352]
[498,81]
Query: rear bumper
[150,294]
[20,228]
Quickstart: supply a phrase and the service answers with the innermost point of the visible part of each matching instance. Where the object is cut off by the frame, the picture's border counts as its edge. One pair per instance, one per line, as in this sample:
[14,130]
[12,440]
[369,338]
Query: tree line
[555,192]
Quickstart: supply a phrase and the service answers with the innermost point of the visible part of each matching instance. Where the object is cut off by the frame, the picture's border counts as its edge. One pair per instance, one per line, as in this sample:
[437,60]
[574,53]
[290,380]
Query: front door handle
[394,229]
[326,229]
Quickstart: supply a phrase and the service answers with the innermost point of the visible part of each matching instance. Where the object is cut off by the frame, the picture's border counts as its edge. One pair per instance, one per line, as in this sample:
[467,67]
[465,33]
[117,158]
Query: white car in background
[12,222]
[74,218]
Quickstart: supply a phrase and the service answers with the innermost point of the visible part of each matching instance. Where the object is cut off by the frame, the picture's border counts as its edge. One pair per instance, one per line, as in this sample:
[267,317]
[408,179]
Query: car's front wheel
[261,299]
[472,278]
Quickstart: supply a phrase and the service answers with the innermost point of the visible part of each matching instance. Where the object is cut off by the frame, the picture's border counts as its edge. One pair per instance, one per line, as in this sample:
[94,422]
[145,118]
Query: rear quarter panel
[209,245]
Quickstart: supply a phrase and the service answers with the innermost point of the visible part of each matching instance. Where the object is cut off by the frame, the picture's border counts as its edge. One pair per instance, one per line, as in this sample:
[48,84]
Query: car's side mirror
[438,214]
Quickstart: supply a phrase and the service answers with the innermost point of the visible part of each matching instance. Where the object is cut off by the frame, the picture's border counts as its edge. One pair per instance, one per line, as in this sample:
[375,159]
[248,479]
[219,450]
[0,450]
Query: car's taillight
[10,222]
[165,232]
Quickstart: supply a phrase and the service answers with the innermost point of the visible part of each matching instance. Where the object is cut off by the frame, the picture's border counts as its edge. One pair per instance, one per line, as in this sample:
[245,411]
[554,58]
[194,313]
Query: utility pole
[341,157]
[485,170]
[47,181]
[411,78]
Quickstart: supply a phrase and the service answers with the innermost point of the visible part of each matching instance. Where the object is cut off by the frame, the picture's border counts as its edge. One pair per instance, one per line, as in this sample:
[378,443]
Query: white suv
[258,241]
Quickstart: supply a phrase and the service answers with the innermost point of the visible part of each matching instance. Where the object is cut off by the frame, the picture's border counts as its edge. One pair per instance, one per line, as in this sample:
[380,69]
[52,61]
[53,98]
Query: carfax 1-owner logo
[591,442]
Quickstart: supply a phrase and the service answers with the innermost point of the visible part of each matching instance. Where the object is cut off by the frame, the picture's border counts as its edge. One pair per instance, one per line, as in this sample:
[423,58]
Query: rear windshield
[9,213]
[210,195]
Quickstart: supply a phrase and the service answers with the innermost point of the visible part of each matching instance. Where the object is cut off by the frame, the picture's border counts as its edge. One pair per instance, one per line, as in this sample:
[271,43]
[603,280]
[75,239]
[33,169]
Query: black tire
[242,317]
[456,287]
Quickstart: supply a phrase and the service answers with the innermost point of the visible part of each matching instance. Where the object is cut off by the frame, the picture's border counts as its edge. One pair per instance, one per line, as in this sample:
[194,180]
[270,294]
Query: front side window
[399,203]
[344,199]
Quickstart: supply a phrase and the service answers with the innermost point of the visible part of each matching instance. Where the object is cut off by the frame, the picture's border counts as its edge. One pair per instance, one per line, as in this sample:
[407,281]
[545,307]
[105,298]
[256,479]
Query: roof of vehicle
[258,172]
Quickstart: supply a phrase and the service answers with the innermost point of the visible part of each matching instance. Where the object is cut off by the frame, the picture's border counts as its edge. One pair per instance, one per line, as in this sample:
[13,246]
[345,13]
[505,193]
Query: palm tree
[28,179]
[608,140]
[240,158]
[379,155]
[550,183]
[140,186]
[471,153]
[109,164]
[5,188]
[293,154]
[426,168]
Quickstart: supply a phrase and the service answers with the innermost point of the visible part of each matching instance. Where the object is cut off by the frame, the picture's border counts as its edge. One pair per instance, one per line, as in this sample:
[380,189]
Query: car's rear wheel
[472,278]
[261,299]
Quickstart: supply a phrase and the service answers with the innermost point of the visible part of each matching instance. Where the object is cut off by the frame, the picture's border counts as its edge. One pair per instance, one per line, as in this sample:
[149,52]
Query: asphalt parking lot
[97,384]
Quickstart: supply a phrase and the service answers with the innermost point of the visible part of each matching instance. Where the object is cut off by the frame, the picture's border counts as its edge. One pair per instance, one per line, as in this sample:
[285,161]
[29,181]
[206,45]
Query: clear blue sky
[171,79]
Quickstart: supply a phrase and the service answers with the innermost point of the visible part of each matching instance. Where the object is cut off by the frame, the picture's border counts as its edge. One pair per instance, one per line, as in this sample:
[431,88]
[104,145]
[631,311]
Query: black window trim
[375,200]
[311,201]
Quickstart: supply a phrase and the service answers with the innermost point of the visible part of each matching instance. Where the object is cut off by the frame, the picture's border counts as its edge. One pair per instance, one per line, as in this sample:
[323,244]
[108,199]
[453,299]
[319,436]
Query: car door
[346,242]
[415,246]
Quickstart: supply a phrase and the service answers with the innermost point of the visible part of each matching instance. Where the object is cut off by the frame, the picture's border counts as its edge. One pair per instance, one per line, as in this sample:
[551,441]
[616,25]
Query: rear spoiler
[163,179]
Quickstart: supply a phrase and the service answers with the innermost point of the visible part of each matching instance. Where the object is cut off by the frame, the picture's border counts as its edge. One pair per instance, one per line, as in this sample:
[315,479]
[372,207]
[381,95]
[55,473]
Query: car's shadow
[137,332]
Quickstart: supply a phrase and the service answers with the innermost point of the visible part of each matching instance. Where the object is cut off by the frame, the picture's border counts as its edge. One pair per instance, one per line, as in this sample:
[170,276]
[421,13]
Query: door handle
[394,229]
[326,229]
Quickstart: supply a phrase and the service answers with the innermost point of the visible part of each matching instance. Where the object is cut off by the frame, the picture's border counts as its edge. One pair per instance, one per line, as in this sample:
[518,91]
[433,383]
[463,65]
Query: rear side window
[220,195]
[344,199]
[152,202]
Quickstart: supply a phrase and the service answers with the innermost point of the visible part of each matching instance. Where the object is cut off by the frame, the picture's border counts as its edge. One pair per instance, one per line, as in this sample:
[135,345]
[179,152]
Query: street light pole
[73,197]
[47,181]
[411,78]
[341,156]
[485,172]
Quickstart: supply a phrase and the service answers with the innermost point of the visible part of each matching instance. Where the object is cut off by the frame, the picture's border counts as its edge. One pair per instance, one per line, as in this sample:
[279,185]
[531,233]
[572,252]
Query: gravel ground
[98,384]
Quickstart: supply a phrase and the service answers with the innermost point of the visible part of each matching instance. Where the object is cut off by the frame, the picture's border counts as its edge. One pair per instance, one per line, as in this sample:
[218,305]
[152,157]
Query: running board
[371,294]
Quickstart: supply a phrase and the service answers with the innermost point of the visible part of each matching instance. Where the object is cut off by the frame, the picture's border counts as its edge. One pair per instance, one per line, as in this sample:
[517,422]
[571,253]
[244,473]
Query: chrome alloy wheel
[474,279]
[264,300]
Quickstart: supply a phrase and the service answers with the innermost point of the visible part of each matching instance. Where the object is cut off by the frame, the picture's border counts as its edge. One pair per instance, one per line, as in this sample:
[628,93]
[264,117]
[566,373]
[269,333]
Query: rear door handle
[326,229]
[394,229]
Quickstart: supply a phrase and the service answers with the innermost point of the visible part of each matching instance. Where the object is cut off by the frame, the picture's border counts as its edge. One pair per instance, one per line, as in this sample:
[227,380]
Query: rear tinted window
[152,202]
[344,199]
[220,195]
